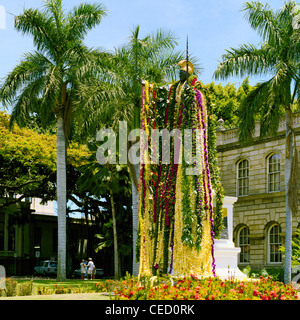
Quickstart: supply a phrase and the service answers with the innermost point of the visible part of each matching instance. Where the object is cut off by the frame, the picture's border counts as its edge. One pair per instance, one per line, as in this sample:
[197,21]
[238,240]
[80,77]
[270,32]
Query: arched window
[243,178]
[244,244]
[274,243]
[274,173]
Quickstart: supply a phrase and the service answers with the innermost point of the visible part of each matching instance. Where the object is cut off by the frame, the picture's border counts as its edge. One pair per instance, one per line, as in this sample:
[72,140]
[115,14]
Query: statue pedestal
[226,254]
[226,258]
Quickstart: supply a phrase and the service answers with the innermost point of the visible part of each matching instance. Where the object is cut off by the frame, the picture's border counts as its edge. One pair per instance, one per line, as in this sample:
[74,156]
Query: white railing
[231,135]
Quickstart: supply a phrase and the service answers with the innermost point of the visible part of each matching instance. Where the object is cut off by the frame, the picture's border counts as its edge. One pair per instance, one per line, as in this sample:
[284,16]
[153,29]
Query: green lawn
[74,296]
[51,283]
[41,288]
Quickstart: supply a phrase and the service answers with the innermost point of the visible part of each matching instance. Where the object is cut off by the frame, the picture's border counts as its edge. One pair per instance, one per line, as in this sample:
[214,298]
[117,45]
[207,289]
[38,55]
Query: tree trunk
[61,199]
[288,166]
[116,250]
[87,231]
[135,221]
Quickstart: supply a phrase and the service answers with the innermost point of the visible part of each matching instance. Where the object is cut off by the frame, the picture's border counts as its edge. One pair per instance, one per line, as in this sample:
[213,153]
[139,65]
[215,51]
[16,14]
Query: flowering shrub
[192,288]
[25,289]
[43,291]
[63,290]
[13,288]
[108,285]
[10,288]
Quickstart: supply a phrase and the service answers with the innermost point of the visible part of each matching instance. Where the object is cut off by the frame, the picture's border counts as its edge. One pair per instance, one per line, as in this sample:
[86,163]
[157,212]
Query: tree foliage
[111,182]
[277,57]
[28,161]
[223,102]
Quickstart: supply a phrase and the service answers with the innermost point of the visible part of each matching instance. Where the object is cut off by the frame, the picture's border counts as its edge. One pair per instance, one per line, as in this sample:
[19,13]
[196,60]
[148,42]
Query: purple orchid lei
[207,201]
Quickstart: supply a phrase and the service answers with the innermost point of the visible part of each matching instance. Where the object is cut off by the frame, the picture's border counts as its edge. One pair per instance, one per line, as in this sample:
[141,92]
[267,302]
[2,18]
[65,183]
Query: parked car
[99,273]
[46,268]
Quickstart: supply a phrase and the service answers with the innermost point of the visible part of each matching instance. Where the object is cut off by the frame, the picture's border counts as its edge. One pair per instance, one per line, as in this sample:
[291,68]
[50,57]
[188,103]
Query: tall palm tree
[47,81]
[277,57]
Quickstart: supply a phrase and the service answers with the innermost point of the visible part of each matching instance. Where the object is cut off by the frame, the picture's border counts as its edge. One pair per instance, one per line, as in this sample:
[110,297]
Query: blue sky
[212,26]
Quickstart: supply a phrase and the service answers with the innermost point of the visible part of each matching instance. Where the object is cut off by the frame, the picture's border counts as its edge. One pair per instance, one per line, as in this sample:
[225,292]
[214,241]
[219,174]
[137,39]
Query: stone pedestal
[226,258]
[226,254]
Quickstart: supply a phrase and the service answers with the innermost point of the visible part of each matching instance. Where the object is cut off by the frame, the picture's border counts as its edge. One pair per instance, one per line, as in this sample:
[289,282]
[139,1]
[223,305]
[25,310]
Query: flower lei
[177,223]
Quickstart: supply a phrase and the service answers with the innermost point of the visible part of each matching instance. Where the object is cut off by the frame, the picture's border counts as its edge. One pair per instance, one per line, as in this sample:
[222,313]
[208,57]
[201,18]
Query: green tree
[27,165]
[223,102]
[269,100]
[27,160]
[47,82]
[106,179]
[295,249]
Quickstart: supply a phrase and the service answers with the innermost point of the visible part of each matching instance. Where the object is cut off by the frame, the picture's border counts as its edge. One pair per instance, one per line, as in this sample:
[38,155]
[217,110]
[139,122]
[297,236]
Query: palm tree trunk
[288,166]
[135,220]
[116,250]
[61,198]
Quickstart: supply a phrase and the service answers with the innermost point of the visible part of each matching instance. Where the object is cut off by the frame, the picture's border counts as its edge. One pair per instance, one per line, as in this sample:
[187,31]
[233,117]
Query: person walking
[90,268]
[82,269]
[94,272]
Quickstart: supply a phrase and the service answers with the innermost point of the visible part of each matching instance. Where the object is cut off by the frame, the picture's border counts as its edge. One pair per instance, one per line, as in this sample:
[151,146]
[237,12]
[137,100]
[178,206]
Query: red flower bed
[192,288]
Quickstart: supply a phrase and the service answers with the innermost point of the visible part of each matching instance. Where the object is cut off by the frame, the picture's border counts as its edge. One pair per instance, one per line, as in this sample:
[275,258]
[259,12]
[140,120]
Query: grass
[73,296]
[52,283]
[16,287]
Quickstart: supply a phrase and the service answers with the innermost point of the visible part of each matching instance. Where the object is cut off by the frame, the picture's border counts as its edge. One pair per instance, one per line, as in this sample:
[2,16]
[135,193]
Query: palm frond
[41,27]
[272,109]
[83,18]
[287,13]
[55,10]
[278,97]
[96,105]
[32,68]
[246,60]
[265,103]
[26,104]
[263,19]
[162,40]
[249,109]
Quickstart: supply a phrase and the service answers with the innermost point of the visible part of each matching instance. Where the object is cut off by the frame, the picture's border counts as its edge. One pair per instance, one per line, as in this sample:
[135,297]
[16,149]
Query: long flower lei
[177,223]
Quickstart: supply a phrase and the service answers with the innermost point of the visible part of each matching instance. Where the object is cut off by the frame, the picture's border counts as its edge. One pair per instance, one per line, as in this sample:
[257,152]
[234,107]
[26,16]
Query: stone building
[255,175]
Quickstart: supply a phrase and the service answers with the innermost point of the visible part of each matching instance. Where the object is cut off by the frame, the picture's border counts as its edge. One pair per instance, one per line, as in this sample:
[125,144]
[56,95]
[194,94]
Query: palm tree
[278,56]
[47,81]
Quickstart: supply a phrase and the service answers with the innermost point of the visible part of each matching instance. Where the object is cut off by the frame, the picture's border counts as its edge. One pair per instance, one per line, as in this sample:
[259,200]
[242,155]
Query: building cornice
[227,139]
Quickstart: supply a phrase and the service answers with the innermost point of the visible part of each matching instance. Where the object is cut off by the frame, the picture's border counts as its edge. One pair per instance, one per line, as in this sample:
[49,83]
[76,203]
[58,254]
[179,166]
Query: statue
[177,223]
[186,70]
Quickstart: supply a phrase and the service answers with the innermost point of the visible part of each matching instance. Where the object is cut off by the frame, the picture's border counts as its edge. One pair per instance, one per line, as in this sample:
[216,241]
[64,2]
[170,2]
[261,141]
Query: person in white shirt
[90,268]
[82,269]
